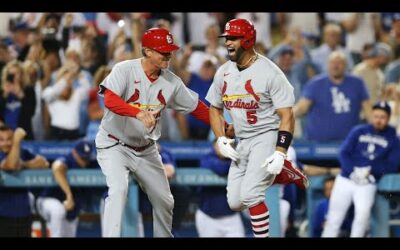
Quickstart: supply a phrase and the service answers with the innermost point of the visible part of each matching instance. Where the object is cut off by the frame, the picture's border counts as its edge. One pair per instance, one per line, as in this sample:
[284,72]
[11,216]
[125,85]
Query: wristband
[284,139]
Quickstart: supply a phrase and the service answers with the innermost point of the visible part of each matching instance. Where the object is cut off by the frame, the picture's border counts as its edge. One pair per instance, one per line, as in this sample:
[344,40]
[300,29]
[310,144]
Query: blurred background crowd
[39,50]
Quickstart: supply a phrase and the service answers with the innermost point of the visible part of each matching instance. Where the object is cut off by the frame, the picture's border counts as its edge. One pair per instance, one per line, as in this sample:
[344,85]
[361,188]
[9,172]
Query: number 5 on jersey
[251,117]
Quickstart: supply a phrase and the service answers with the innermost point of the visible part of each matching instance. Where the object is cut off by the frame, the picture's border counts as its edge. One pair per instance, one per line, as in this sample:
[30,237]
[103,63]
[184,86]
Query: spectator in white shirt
[64,102]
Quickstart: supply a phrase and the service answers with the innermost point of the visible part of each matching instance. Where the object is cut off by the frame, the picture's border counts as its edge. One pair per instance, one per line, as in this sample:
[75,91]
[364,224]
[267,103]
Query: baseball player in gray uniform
[135,92]
[259,99]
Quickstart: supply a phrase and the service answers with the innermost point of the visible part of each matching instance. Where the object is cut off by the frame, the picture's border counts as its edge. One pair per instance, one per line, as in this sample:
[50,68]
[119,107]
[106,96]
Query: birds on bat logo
[134,101]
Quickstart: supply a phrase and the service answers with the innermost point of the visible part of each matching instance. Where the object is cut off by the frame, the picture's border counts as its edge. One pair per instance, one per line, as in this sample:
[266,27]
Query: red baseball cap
[159,39]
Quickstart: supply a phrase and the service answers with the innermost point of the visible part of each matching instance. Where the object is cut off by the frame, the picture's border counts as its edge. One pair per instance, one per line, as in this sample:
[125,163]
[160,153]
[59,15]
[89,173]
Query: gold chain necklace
[252,59]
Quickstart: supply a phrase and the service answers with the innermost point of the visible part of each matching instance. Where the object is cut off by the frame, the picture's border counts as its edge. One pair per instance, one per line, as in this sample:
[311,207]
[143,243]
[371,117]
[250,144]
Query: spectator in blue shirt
[368,152]
[60,206]
[214,218]
[333,102]
[15,208]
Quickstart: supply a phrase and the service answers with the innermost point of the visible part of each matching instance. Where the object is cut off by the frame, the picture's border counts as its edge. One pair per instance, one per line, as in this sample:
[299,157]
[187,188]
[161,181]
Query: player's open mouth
[231,51]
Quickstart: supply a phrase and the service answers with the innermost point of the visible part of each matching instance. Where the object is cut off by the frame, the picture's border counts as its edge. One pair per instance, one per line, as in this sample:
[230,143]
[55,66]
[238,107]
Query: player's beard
[237,55]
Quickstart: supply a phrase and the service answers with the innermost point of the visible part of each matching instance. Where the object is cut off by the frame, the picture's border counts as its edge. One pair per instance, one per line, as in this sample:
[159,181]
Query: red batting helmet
[241,28]
[159,39]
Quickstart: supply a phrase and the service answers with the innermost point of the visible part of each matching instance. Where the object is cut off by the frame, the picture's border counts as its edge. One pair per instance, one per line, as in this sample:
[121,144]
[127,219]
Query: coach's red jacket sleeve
[202,113]
[117,105]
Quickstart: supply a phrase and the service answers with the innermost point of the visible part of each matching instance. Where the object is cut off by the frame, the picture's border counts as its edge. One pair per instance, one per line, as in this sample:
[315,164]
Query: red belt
[137,149]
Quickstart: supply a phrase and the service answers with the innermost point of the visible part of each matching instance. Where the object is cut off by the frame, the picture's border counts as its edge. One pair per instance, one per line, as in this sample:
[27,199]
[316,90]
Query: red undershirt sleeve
[201,112]
[117,105]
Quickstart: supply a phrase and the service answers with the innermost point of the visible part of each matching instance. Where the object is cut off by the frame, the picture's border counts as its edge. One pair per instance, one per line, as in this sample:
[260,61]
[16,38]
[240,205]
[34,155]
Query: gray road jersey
[252,95]
[128,80]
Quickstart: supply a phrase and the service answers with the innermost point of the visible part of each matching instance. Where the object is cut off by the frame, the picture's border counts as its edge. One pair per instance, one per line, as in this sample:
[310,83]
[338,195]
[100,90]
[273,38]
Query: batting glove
[226,149]
[274,163]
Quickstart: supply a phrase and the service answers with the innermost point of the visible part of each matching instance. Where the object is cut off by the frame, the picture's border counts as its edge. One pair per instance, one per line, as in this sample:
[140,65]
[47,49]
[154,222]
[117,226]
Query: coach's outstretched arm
[115,103]
[202,113]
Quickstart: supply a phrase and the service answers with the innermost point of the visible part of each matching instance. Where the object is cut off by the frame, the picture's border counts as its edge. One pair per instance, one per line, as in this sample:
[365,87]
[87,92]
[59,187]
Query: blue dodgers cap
[383,106]
[84,149]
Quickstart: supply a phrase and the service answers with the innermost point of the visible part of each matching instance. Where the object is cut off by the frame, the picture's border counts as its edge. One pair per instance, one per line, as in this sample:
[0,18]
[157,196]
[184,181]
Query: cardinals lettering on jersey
[239,102]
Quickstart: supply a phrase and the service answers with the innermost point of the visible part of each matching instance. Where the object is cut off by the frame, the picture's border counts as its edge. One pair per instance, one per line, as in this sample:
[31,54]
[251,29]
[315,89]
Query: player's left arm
[286,129]
[282,95]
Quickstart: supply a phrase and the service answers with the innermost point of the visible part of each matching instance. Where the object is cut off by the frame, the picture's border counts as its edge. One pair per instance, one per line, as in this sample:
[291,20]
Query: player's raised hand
[147,117]
[274,163]
[226,149]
